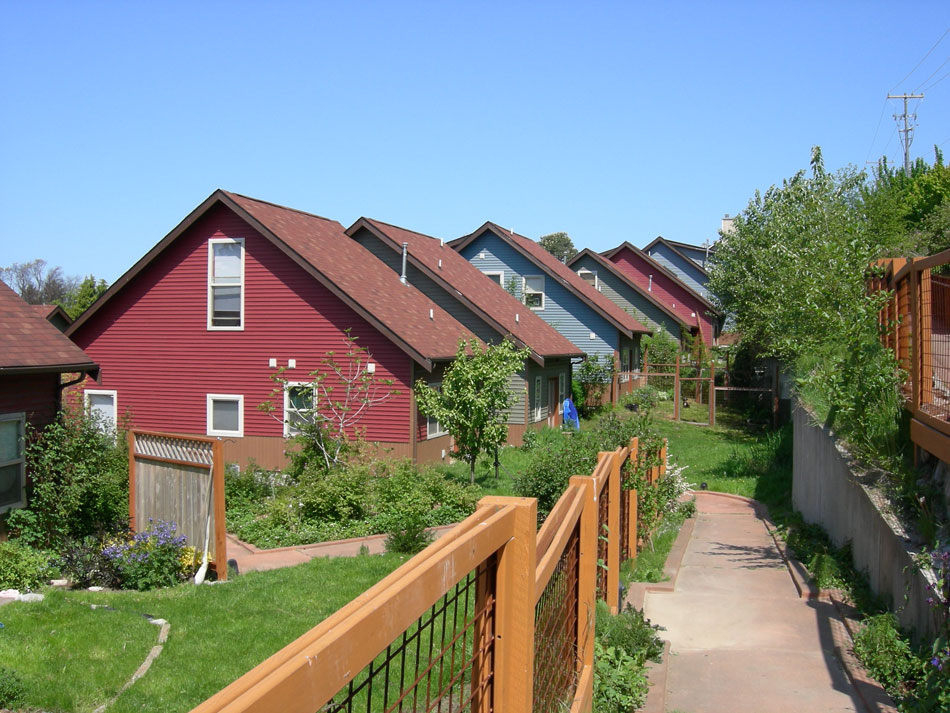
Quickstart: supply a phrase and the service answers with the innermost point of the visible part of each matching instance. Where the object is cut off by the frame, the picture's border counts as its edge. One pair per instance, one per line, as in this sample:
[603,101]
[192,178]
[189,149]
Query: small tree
[325,412]
[559,245]
[595,374]
[474,394]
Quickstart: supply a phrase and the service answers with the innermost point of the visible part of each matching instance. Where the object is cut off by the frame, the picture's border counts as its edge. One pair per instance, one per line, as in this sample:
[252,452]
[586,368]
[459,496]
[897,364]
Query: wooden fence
[180,479]
[915,324]
[494,616]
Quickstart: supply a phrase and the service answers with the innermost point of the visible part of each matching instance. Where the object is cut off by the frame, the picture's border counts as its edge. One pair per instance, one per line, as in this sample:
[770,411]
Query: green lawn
[74,658]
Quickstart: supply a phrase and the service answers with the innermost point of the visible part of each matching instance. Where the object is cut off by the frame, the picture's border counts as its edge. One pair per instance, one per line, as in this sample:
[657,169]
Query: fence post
[676,390]
[632,534]
[514,609]
[586,578]
[662,467]
[712,392]
[220,527]
[613,531]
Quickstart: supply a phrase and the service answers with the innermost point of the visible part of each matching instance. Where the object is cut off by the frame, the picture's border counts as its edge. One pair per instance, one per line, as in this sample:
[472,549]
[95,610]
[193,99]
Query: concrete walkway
[741,635]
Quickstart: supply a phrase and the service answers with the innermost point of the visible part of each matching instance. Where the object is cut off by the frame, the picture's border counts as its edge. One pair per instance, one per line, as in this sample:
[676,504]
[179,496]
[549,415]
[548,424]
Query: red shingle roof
[485,298]
[29,343]
[567,277]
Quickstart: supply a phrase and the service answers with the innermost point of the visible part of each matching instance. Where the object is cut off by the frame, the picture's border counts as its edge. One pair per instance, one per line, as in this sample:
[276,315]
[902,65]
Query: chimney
[405,253]
[726,226]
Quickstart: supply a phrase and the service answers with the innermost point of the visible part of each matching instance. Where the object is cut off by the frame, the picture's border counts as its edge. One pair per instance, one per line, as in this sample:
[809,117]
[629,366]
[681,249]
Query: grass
[648,566]
[512,460]
[71,657]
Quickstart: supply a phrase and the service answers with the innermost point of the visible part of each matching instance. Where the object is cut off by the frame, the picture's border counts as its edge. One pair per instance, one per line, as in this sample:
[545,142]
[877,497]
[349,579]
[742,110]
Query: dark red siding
[36,395]
[155,349]
[668,291]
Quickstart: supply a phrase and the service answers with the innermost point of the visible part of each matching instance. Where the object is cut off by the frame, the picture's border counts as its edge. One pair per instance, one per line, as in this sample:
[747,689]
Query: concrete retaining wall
[828,490]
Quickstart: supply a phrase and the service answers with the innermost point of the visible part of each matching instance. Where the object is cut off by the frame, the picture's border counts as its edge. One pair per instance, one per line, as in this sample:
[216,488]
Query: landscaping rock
[31,597]
[9,594]
[96,589]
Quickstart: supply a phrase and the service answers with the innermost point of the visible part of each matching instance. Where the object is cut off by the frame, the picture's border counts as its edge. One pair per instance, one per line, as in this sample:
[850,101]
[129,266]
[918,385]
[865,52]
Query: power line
[932,75]
[945,33]
[878,128]
[907,133]
[933,84]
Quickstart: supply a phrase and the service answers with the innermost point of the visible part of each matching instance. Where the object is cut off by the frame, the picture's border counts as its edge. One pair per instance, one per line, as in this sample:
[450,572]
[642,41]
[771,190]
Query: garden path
[741,637]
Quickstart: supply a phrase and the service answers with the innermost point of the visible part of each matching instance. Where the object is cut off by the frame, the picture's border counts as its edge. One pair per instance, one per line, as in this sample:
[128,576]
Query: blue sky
[612,121]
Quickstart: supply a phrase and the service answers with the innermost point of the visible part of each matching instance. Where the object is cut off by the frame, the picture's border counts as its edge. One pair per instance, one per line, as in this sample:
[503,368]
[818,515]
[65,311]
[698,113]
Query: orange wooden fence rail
[496,615]
[915,324]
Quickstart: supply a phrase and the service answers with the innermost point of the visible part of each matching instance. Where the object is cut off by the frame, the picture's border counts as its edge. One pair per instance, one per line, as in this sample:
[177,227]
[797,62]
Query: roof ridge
[282,207]
[405,230]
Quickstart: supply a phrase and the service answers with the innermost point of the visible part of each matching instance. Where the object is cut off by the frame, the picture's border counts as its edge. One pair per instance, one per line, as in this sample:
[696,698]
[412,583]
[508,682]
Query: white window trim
[289,430]
[211,243]
[596,284]
[524,291]
[440,431]
[115,404]
[537,398]
[226,397]
[493,273]
[20,460]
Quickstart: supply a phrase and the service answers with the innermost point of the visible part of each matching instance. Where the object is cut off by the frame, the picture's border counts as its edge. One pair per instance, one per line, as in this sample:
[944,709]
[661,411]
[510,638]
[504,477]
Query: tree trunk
[471,470]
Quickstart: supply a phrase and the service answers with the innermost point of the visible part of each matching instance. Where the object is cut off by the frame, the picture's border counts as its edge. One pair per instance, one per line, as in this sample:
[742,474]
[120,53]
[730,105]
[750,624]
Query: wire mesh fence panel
[444,663]
[905,324]
[935,342]
[603,511]
[555,633]
[624,526]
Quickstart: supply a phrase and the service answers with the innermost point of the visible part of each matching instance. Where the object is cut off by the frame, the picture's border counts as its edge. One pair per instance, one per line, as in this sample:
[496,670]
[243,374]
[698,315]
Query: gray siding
[684,269]
[568,314]
[554,368]
[628,299]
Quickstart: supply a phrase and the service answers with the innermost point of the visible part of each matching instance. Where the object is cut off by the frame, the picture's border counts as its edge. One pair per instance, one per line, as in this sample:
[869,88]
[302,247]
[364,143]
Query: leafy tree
[327,410]
[474,396]
[559,245]
[37,285]
[81,298]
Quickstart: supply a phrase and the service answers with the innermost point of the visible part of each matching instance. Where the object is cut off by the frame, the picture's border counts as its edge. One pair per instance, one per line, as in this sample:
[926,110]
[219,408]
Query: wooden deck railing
[915,324]
[496,615]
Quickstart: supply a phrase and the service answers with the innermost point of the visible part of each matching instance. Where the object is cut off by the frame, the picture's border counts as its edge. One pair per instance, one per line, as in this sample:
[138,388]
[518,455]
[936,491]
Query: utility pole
[908,131]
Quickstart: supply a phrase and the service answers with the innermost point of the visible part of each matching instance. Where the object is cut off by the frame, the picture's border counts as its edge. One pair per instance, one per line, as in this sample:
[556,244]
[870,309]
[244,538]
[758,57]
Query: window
[101,406]
[298,407]
[533,290]
[434,429]
[226,283]
[496,276]
[537,398]
[12,461]
[225,415]
[590,277]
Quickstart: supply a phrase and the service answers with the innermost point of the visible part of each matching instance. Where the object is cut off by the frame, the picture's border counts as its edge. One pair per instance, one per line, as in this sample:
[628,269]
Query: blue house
[554,292]
[687,262]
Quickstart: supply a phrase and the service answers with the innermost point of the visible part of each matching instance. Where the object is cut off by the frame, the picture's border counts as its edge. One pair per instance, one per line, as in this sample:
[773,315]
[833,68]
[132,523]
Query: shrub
[80,482]
[884,653]
[623,645]
[22,567]
[644,398]
[12,691]
[406,532]
[594,375]
[149,559]
[83,563]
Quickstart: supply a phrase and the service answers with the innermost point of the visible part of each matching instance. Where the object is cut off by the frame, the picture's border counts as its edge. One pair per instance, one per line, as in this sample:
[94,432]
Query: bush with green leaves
[644,398]
[22,567]
[886,655]
[12,690]
[623,645]
[79,482]
[149,559]
[595,375]
[82,562]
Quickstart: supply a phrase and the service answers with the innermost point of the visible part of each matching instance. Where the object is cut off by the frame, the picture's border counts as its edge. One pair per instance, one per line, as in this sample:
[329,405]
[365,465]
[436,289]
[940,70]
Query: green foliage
[80,482]
[884,652]
[595,375]
[359,500]
[81,298]
[623,645]
[149,559]
[660,347]
[22,567]
[559,245]
[644,398]
[12,692]
[406,532]
[473,397]
[83,563]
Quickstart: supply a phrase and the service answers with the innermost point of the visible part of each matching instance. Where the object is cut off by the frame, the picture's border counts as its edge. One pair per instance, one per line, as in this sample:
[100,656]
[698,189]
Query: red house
[34,355]
[666,288]
[190,336]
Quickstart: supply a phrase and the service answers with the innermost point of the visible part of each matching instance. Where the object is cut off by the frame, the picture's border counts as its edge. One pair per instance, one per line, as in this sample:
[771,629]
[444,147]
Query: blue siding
[563,310]
[684,269]
[628,299]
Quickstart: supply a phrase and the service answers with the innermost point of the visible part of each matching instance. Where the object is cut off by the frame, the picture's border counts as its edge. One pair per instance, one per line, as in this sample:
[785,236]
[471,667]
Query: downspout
[405,254]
